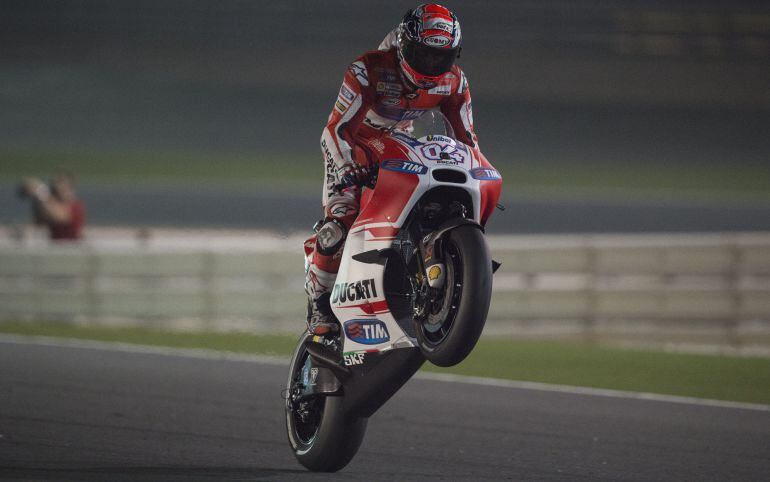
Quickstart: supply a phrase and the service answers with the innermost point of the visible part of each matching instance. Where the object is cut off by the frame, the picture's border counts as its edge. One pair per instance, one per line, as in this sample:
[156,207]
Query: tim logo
[367,332]
[485,174]
[404,166]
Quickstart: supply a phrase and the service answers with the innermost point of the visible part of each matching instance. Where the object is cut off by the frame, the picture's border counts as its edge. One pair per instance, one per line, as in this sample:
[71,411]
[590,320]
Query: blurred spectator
[56,206]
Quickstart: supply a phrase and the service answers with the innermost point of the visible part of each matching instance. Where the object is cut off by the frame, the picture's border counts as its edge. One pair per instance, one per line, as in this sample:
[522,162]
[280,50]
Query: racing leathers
[373,101]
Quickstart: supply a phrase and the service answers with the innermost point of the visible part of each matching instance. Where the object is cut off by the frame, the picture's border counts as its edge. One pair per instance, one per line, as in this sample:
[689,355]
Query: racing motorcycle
[414,283]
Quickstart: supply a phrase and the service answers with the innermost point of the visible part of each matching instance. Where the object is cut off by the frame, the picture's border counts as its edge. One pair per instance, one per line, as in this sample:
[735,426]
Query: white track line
[145,349]
[601,392]
[442,377]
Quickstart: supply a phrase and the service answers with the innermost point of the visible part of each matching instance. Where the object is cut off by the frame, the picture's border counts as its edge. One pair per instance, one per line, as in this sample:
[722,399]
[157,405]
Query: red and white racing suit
[374,100]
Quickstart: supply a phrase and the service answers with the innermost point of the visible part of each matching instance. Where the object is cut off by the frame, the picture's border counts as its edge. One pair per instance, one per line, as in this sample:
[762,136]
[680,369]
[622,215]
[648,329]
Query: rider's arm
[354,99]
[48,209]
[457,108]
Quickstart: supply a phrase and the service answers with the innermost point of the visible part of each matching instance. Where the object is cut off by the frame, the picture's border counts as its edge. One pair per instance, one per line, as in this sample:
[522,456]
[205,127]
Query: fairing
[407,168]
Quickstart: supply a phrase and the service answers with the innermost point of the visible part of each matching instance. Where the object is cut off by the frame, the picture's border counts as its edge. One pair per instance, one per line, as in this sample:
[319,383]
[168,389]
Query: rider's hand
[353,174]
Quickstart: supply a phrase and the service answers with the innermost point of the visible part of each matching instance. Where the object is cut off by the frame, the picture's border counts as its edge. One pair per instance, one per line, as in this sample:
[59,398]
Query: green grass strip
[740,379]
[704,376]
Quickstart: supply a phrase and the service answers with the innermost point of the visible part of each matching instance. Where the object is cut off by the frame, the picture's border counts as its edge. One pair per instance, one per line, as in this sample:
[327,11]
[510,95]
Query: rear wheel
[323,437]
[449,323]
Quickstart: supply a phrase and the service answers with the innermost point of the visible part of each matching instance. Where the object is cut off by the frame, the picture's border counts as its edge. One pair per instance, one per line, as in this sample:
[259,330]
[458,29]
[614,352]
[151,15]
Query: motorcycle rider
[412,72]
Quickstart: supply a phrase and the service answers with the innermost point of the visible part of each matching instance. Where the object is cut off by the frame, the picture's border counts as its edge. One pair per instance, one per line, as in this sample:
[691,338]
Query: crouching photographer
[55,206]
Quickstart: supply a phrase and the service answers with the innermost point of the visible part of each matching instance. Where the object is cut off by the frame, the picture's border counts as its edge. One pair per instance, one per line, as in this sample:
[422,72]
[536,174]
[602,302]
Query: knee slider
[331,237]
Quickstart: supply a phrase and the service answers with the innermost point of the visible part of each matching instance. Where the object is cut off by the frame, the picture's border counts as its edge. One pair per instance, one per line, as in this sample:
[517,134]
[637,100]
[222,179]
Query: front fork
[431,268]
[428,282]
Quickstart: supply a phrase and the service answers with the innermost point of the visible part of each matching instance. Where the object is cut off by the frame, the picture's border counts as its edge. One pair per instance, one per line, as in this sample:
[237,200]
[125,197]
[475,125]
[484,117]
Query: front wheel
[452,323]
[323,437]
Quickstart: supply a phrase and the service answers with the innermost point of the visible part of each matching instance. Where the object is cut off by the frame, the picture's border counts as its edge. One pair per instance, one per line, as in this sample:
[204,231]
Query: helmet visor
[429,61]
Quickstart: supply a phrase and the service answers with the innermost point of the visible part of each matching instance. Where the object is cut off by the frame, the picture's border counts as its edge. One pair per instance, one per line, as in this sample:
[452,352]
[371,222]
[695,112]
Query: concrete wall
[709,290]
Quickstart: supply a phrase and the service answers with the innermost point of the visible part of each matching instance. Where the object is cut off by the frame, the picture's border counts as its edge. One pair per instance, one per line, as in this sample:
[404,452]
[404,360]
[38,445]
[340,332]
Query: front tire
[325,439]
[465,302]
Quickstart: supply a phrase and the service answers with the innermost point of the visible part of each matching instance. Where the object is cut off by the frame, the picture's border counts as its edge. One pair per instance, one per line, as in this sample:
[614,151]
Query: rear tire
[337,435]
[466,256]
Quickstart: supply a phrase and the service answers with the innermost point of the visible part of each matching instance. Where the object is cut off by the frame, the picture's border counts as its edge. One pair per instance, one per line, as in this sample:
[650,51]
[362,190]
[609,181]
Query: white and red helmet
[428,44]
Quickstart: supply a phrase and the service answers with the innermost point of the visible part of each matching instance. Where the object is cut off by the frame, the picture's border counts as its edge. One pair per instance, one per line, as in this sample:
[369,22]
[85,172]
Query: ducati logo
[359,290]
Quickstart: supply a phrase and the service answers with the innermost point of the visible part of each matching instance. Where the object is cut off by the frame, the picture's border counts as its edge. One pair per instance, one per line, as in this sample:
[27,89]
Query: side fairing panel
[358,301]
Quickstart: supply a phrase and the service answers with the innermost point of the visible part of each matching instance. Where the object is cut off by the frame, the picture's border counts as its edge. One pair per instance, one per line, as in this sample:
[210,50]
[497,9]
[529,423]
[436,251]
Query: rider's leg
[340,211]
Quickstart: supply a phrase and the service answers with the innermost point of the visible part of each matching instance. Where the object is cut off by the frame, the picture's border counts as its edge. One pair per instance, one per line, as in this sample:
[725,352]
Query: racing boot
[320,319]
[318,286]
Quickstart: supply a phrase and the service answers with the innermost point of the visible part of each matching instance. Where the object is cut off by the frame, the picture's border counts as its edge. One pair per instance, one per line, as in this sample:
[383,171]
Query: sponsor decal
[437,23]
[389,88]
[391,100]
[439,138]
[342,210]
[331,177]
[485,174]
[367,332]
[410,141]
[327,152]
[436,275]
[309,376]
[378,145]
[353,359]
[358,69]
[401,165]
[388,75]
[340,106]
[412,114]
[396,113]
[442,153]
[436,41]
[346,93]
[443,89]
[358,290]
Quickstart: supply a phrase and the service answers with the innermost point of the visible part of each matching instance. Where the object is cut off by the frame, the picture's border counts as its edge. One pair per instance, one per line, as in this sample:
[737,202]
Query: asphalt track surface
[93,414]
[264,207]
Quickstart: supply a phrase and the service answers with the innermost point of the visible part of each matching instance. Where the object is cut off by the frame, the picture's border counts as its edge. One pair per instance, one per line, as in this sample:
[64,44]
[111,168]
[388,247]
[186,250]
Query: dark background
[578,84]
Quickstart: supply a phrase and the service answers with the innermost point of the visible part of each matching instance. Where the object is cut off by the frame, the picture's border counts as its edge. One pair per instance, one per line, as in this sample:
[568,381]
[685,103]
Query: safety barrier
[697,289]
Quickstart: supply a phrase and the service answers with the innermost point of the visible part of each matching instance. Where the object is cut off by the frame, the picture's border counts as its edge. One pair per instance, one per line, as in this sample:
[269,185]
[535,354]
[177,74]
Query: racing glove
[353,174]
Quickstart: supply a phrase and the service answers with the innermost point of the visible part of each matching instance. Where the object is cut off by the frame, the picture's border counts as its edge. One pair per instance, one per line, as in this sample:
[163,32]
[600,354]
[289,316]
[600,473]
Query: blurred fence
[694,289]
